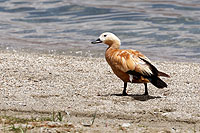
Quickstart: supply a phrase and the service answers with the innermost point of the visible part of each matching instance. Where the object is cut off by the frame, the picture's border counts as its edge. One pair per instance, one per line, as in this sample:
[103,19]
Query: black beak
[97,41]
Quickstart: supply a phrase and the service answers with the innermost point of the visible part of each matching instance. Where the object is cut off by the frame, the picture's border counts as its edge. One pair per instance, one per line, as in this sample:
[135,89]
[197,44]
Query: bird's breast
[128,78]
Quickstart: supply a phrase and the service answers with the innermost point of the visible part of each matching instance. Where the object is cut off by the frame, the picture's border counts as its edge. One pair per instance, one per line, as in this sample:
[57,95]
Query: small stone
[28,126]
[125,125]
[22,104]
[54,124]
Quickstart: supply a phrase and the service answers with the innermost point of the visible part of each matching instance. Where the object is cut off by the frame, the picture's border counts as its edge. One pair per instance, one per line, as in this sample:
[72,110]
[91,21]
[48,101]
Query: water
[162,30]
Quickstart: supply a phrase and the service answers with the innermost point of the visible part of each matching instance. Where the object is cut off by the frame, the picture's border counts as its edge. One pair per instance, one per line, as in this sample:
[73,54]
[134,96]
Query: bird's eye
[105,35]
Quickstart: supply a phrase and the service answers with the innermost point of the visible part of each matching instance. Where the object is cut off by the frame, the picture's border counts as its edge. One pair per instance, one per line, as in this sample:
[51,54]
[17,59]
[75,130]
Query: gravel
[81,86]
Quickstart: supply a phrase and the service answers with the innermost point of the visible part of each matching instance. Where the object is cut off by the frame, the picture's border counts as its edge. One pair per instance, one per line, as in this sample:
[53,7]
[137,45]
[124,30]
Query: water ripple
[67,26]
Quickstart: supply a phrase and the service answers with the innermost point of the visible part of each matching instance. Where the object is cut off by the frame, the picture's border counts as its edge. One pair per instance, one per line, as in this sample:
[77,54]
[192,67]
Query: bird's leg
[146,90]
[124,91]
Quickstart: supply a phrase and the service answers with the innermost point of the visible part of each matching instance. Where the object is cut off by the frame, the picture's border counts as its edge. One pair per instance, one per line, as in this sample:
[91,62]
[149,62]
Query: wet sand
[34,84]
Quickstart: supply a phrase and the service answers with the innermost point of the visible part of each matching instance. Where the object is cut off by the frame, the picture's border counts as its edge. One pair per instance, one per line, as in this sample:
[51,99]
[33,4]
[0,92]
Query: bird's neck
[115,45]
[111,50]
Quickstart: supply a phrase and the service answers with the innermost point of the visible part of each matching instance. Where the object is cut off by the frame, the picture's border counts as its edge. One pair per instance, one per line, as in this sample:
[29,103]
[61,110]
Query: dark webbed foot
[145,94]
[124,94]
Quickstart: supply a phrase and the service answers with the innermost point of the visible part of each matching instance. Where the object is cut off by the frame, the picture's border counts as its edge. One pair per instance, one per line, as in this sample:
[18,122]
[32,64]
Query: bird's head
[109,39]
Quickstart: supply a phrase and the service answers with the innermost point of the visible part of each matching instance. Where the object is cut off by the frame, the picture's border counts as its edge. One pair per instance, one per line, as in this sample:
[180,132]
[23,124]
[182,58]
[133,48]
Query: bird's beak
[97,41]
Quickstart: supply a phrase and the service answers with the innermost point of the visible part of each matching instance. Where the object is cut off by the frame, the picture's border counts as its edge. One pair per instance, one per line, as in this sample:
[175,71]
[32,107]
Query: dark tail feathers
[163,74]
[156,81]
[154,69]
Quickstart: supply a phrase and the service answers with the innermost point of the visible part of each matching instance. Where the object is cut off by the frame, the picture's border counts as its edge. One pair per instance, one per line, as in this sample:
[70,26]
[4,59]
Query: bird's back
[123,60]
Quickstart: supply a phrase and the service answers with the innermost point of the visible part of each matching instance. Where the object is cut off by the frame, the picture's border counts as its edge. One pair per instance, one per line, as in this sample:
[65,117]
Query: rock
[125,125]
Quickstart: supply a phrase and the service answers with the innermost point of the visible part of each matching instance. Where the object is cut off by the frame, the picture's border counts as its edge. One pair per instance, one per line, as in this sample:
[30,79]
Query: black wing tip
[156,81]
[163,74]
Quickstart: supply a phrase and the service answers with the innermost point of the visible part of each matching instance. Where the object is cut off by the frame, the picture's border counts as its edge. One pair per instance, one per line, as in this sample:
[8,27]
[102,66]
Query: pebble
[125,125]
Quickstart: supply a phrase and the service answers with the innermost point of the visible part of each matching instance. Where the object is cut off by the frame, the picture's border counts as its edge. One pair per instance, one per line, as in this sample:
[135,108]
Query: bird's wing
[133,61]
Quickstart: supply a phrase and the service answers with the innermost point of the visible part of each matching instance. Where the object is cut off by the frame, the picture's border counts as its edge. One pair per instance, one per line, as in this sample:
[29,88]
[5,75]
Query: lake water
[160,29]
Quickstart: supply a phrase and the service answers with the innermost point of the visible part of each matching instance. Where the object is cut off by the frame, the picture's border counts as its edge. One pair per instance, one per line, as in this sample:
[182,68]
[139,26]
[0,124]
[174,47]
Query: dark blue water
[162,30]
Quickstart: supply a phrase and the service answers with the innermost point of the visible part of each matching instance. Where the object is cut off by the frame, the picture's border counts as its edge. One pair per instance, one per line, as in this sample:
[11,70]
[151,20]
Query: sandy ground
[33,84]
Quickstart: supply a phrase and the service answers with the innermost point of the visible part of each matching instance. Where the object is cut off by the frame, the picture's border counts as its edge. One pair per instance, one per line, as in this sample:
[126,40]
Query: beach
[83,90]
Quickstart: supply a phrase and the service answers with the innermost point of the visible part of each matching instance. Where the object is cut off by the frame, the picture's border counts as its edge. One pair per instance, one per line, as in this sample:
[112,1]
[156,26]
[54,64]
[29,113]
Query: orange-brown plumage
[122,61]
[130,65]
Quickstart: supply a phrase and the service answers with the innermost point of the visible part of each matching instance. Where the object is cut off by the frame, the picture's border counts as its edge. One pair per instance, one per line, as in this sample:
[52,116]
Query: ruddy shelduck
[130,65]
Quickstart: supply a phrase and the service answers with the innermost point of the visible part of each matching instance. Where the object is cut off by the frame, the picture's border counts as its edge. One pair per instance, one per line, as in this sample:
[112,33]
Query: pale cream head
[108,38]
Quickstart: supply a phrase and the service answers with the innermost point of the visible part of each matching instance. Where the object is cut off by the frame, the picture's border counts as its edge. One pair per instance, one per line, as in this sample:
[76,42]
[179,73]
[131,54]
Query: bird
[131,66]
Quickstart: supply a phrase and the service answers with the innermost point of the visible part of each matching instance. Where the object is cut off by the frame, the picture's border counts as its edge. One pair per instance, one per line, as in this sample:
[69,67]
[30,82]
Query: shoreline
[35,82]
[92,53]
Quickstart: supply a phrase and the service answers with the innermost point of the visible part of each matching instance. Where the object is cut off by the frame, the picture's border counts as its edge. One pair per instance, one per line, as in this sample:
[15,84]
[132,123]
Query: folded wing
[134,63]
[131,60]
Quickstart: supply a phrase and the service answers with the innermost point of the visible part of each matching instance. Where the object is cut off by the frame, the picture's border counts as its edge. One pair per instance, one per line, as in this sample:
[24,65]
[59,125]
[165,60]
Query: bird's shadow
[139,97]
